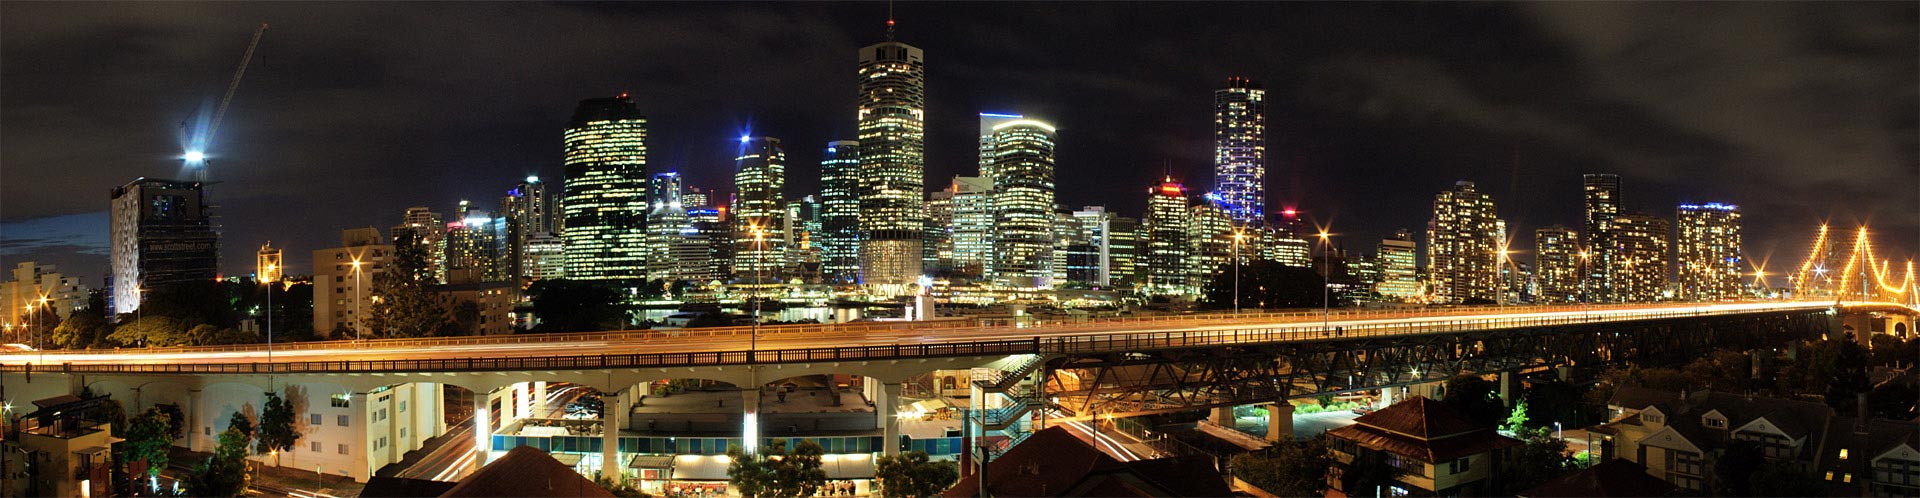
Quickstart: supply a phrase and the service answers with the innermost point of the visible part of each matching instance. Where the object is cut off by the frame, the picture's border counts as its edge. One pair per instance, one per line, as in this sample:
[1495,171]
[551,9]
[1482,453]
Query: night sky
[352,112]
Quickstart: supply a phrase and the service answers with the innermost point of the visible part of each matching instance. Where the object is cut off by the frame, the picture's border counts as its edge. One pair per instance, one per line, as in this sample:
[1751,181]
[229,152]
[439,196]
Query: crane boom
[221,112]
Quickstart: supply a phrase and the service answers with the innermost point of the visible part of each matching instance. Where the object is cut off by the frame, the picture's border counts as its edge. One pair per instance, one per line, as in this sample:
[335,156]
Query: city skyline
[1313,162]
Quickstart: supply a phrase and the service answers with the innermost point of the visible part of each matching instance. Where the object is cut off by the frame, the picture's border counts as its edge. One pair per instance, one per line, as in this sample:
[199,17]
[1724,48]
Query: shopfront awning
[568,459]
[857,466]
[650,462]
[700,467]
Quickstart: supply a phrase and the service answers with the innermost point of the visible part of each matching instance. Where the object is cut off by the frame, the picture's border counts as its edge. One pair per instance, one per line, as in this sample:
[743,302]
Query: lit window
[1829,475]
[1843,453]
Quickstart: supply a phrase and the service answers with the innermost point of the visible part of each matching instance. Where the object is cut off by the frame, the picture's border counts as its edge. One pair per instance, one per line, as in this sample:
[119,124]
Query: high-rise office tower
[802,259]
[666,219]
[605,200]
[267,264]
[1640,265]
[162,234]
[477,247]
[1281,244]
[528,211]
[1023,194]
[1708,249]
[759,210]
[704,252]
[1164,258]
[1397,260]
[1240,149]
[1463,245]
[424,226]
[546,257]
[1210,242]
[892,123]
[972,234]
[1123,249]
[1069,235]
[839,235]
[1098,269]
[988,122]
[1557,264]
[695,198]
[939,238]
[1602,193]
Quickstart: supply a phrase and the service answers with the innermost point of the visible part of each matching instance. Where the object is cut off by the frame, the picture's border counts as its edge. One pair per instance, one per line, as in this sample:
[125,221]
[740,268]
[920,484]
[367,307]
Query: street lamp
[1238,235]
[359,317]
[269,281]
[1584,296]
[1326,277]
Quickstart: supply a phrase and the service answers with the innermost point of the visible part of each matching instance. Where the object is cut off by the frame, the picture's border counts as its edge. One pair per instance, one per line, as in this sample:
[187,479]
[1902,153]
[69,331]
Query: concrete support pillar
[1387,397]
[885,408]
[1506,388]
[1221,416]
[482,429]
[523,393]
[613,416]
[1279,420]
[750,420]
[540,399]
[193,420]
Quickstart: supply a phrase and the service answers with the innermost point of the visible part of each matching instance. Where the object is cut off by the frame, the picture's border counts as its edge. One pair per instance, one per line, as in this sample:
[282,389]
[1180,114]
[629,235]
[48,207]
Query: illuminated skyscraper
[1240,149]
[605,200]
[892,123]
[988,123]
[839,236]
[1709,251]
[1210,242]
[162,234]
[1557,260]
[1022,166]
[1102,248]
[972,235]
[1164,257]
[1122,250]
[424,226]
[939,250]
[1602,204]
[529,213]
[802,259]
[1642,242]
[477,247]
[1396,258]
[760,210]
[666,219]
[1281,244]
[1463,245]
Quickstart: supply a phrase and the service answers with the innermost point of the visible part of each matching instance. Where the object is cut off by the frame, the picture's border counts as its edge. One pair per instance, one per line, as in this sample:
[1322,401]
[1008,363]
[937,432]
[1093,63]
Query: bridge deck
[842,342]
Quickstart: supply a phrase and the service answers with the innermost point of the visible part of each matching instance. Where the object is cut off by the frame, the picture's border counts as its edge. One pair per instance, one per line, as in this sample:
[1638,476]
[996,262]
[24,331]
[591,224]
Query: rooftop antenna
[889,20]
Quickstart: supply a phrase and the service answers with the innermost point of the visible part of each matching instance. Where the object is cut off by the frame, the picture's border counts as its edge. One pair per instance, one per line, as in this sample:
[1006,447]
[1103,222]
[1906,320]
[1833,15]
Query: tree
[81,329]
[912,474]
[176,420]
[1288,468]
[225,472]
[1849,376]
[277,433]
[1476,398]
[775,473]
[404,304]
[1539,458]
[619,489]
[1733,468]
[243,424]
[1517,420]
[564,305]
[152,331]
[1369,471]
[1721,370]
[1783,477]
[148,438]
[1265,284]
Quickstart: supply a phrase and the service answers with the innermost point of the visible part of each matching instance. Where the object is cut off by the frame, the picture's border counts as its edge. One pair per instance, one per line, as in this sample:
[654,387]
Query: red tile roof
[1422,429]
[1421,418]
[1053,462]
[527,472]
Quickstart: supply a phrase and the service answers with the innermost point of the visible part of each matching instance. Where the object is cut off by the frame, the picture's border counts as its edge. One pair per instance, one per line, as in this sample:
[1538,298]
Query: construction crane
[196,154]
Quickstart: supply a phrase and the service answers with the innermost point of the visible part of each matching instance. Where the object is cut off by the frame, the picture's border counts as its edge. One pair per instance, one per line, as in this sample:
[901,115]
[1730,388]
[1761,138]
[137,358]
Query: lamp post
[1584,297]
[1238,235]
[1326,277]
[270,272]
[359,316]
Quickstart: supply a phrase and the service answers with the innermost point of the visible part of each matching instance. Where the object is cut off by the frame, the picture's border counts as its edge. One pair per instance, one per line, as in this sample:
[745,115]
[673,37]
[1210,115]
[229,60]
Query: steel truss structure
[1161,380]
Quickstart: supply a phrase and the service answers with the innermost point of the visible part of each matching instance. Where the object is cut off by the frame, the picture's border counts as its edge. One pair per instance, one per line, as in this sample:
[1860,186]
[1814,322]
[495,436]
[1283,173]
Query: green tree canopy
[1288,468]
[224,473]
[151,331]
[1541,457]
[1477,398]
[147,439]
[404,304]
[774,472]
[277,433]
[913,474]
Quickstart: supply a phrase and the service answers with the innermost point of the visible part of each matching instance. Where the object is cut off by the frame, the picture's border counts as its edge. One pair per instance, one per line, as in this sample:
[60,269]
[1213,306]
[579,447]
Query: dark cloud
[354,111]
